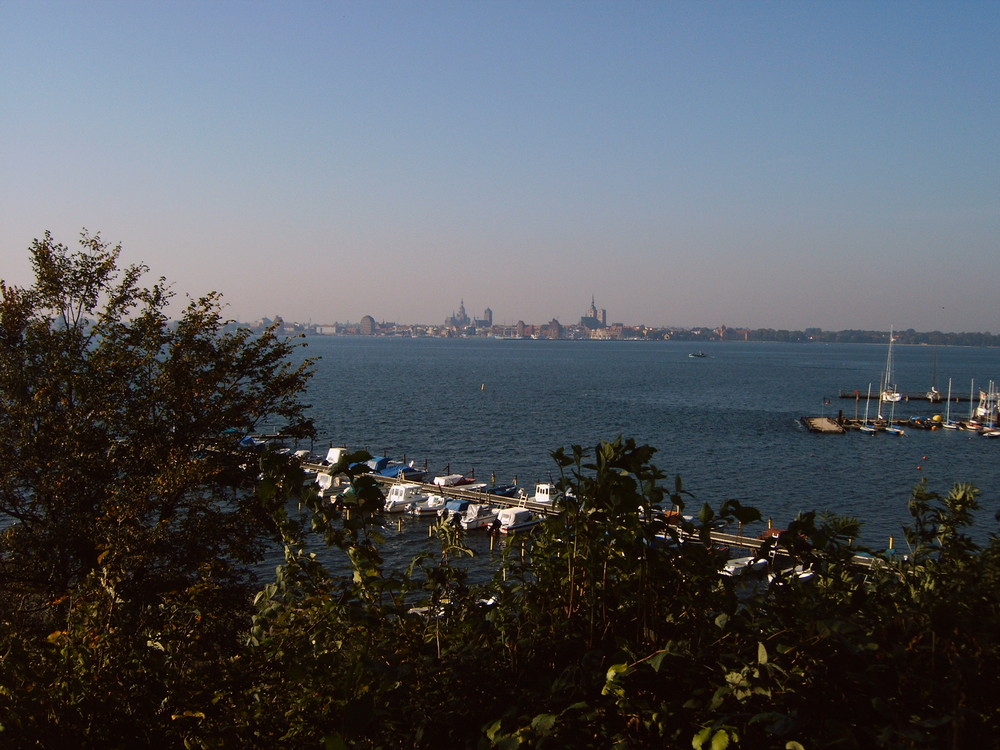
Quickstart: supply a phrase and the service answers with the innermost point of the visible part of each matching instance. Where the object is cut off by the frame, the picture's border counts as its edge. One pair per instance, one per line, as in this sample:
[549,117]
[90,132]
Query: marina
[474,508]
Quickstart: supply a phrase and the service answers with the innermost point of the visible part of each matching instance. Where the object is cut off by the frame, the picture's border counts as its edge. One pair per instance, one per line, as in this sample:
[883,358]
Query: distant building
[459,319]
[594,318]
[368,326]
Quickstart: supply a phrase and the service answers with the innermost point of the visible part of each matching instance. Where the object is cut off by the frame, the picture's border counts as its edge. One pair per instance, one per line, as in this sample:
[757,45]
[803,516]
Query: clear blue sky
[762,164]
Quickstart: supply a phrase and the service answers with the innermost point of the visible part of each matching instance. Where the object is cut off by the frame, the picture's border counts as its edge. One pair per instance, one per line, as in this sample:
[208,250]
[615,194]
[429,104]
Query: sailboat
[988,410]
[891,428]
[889,392]
[971,423]
[865,427]
[948,424]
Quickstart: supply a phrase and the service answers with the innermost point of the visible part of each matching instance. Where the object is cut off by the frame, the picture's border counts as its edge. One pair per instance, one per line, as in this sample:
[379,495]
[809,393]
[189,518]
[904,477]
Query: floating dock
[826,425]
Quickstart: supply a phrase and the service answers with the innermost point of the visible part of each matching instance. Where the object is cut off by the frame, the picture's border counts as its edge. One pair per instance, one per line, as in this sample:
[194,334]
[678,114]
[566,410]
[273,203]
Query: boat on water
[402,496]
[452,480]
[545,493]
[889,392]
[478,516]
[502,490]
[431,505]
[866,427]
[697,355]
[517,519]
[948,424]
[453,509]
[987,411]
[406,472]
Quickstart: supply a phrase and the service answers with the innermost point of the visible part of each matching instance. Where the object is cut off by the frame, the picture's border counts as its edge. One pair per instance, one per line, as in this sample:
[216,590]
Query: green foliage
[129,517]
[127,614]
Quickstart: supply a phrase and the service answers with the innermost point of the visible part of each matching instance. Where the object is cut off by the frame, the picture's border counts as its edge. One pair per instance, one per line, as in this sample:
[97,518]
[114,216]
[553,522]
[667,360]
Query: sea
[728,423]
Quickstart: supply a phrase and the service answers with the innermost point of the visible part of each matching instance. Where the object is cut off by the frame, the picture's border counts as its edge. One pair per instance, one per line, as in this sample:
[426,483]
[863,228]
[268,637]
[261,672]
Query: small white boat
[478,516]
[545,493]
[402,496]
[741,566]
[517,519]
[431,505]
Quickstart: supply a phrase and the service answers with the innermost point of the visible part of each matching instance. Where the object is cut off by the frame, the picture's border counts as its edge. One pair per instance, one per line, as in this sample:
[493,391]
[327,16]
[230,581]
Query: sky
[749,164]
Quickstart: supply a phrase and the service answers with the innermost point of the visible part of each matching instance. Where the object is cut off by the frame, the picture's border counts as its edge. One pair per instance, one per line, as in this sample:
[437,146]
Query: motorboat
[402,496]
[454,508]
[517,519]
[545,493]
[431,505]
[478,516]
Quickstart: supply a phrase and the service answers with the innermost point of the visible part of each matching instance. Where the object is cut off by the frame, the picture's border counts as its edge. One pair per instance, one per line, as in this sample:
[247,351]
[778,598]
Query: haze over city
[776,164]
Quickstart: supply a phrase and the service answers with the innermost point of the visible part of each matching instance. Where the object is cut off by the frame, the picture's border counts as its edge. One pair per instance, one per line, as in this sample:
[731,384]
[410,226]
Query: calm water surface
[728,424]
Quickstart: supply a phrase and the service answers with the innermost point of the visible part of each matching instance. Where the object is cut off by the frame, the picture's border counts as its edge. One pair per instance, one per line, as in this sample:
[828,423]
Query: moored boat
[428,506]
[545,493]
[517,519]
[478,516]
[402,496]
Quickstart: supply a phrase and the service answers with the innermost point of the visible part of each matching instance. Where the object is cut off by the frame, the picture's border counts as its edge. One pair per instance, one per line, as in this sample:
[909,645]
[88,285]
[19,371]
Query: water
[728,423]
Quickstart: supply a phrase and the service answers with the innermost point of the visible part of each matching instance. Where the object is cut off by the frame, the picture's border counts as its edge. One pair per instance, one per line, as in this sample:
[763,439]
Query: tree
[119,435]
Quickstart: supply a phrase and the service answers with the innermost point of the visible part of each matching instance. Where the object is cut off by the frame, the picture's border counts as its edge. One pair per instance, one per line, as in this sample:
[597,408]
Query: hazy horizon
[768,165]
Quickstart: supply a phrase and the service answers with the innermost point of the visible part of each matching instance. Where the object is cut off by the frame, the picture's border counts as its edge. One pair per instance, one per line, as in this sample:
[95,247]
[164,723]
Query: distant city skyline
[770,165]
